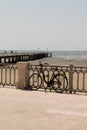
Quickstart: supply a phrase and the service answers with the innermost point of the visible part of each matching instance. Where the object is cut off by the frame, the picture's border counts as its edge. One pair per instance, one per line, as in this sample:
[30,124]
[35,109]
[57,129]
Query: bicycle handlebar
[46,64]
[43,64]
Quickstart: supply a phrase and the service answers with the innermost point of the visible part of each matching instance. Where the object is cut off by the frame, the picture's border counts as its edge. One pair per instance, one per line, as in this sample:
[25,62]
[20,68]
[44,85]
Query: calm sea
[70,54]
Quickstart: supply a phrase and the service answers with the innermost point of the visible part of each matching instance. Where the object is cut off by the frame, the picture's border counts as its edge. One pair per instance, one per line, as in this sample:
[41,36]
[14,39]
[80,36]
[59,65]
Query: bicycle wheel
[60,83]
[34,81]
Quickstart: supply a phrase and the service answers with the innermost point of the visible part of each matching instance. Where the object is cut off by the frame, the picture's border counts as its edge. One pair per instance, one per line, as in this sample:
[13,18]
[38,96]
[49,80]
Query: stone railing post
[71,78]
[22,75]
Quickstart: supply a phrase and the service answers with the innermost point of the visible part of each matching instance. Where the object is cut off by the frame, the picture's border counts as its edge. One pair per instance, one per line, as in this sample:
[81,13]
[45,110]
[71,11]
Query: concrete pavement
[36,110]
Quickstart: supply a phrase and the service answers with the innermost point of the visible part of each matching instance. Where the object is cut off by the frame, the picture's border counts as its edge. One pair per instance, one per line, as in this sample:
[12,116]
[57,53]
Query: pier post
[4,60]
[50,54]
[12,59]
[8,59]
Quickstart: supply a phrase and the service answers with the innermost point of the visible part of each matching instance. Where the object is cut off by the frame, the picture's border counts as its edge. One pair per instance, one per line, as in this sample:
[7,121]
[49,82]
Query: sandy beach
[61,61]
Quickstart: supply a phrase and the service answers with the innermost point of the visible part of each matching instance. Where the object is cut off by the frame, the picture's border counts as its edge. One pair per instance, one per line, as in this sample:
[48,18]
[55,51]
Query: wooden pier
[16,57]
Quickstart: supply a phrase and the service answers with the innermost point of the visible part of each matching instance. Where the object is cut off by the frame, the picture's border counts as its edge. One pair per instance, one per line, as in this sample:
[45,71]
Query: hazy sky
[52,24]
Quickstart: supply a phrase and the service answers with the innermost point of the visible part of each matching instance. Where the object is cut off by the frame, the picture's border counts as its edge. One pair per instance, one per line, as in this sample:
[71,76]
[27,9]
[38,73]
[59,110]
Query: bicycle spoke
[35,81]
[60,83]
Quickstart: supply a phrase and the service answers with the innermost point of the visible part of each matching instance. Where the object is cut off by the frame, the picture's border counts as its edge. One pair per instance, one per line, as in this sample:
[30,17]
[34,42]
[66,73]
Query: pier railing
[16,57]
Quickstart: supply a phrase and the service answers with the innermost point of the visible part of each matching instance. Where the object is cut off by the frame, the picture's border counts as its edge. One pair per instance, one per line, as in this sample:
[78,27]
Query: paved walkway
[36,110]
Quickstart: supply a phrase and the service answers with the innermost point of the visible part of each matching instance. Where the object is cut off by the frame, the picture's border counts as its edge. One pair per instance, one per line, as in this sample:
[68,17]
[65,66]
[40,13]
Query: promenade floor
[39,110]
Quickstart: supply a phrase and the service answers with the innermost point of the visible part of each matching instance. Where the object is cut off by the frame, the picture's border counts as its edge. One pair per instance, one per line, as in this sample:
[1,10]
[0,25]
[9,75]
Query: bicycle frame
[50,82]
[57,81]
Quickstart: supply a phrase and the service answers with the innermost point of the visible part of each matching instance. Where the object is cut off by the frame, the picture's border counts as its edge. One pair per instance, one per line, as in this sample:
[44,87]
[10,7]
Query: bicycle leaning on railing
[57,82]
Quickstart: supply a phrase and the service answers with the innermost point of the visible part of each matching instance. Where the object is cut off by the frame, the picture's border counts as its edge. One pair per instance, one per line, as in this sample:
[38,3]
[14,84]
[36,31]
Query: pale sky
[52,24]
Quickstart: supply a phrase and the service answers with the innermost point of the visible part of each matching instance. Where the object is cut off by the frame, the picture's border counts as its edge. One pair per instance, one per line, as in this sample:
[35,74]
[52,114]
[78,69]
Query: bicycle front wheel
[60,83]
[34,81]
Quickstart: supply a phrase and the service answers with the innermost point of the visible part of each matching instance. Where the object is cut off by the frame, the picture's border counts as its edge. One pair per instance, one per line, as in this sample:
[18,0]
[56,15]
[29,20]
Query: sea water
[70,54]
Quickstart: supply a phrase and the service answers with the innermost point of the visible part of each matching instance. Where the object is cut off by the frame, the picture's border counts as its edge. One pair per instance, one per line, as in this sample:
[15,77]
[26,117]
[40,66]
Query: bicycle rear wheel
[34,81]
[60,83]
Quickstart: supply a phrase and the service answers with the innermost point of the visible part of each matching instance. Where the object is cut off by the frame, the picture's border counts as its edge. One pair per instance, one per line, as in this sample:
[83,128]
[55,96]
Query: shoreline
[61,61]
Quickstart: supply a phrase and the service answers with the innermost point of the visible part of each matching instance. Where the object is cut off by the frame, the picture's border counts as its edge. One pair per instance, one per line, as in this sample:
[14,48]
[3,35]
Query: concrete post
[22,75]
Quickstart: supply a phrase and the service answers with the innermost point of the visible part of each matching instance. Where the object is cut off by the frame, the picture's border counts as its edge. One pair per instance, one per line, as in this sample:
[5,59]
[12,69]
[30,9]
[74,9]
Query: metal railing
[77,76]
[8,75]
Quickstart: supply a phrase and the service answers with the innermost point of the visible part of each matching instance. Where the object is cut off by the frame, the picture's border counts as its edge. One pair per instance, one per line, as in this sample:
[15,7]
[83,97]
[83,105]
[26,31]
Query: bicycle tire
[34,81]
[60,83]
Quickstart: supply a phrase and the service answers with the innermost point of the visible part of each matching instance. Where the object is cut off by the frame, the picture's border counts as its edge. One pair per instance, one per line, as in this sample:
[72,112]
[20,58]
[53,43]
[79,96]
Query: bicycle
[58,82]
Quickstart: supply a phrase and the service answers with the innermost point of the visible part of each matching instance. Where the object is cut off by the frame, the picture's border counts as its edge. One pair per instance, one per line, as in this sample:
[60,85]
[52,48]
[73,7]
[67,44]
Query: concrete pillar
[12,59]
[8,59]
[17,58]
[22,75]
[28,58]
[21,58]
